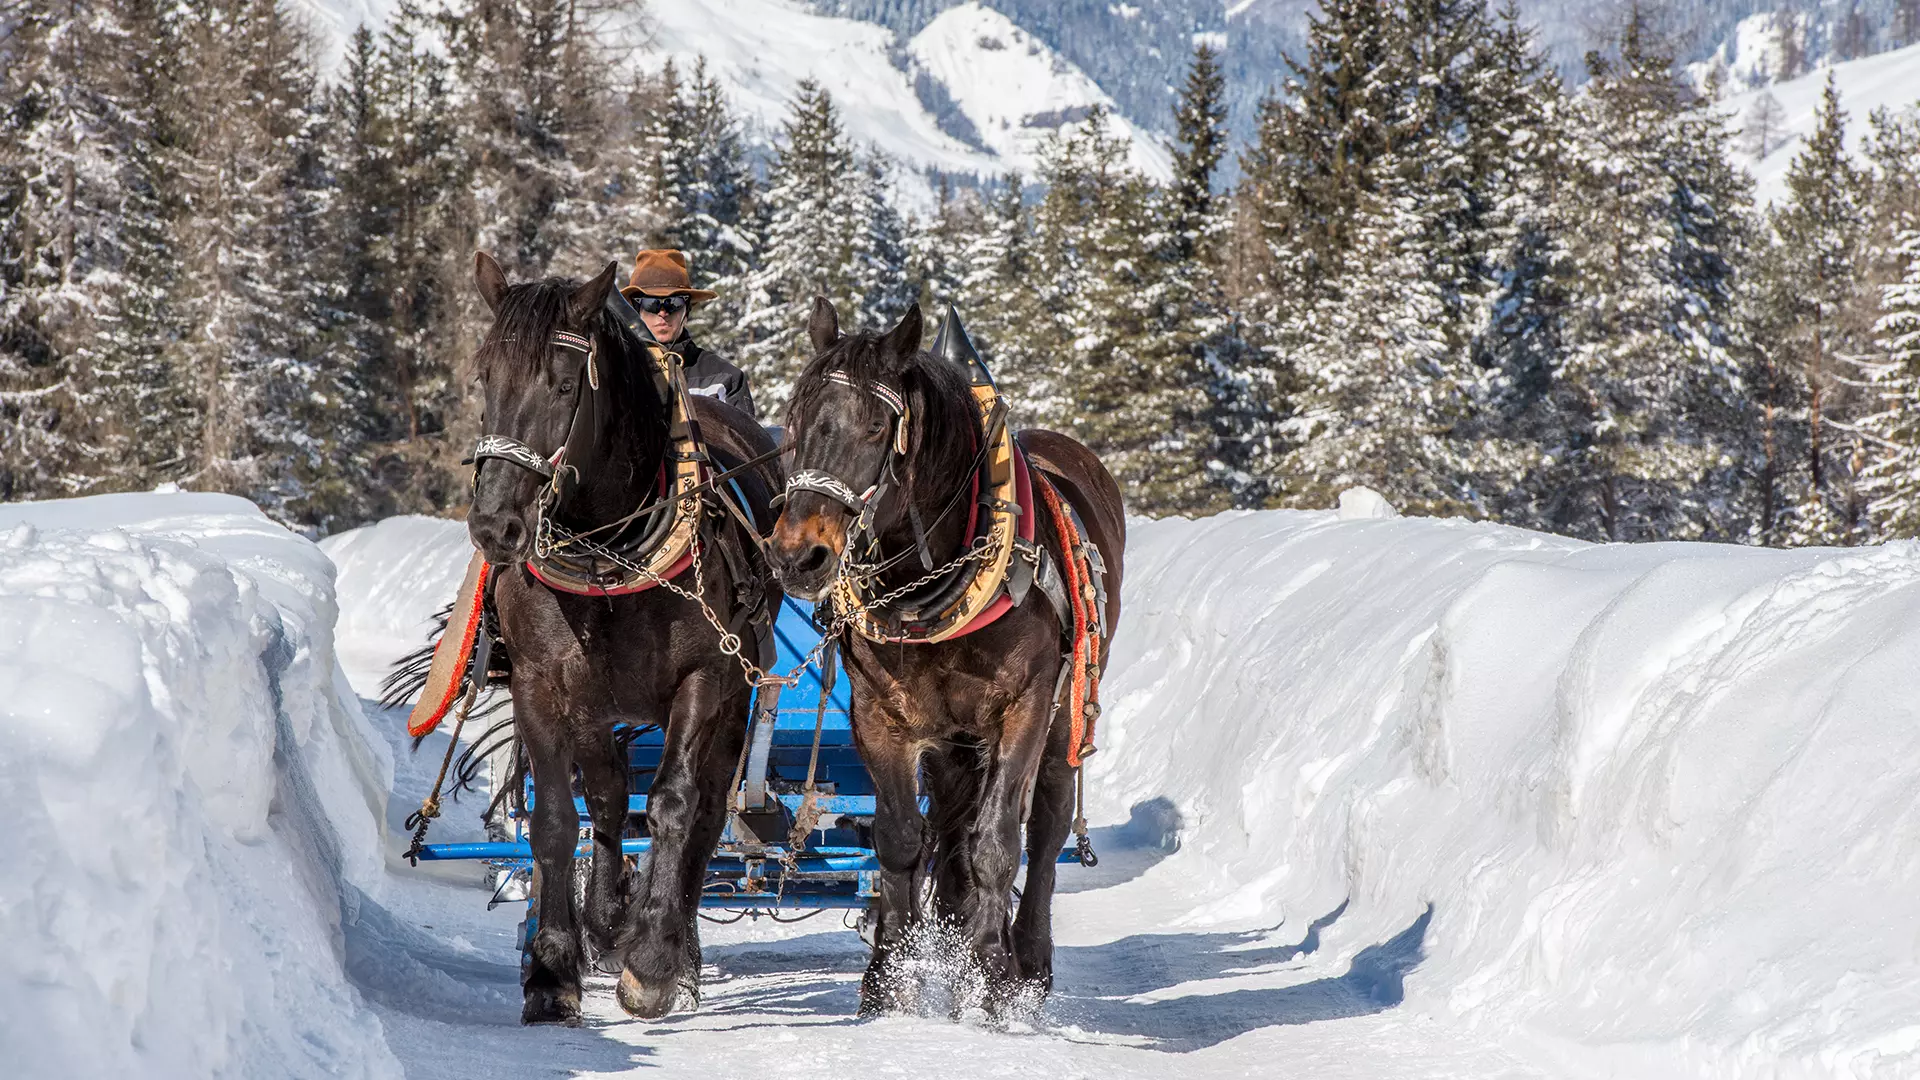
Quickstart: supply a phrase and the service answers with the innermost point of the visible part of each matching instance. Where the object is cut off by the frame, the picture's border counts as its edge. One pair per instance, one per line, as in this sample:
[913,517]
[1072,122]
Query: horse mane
[945,405]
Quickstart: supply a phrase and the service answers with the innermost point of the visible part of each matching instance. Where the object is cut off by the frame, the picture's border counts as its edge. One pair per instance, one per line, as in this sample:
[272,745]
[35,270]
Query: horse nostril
[512,534]
[501,536]
[816,557]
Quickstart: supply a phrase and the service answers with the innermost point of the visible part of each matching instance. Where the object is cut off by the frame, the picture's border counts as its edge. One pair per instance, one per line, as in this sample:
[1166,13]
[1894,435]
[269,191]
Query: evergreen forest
[1441,272]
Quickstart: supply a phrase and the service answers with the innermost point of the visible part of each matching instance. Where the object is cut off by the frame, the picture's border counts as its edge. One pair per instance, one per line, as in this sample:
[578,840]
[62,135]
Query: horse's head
[554,373]
[871,418]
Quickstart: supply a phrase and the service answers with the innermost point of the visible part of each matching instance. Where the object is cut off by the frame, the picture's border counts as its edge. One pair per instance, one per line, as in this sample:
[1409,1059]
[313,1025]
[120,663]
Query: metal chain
[981,547]
[558,537]
[551,537]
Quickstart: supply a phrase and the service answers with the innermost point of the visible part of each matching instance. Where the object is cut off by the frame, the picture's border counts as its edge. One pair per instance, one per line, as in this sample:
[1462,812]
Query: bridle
[865,503]
[552,469]
[822,482]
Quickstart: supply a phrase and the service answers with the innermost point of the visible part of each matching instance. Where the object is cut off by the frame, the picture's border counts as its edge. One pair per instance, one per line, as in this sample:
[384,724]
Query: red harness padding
[1084,706]
[450,657]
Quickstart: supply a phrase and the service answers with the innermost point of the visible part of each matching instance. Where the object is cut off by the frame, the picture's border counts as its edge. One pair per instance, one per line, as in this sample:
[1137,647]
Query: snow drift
[1648,810]
[189,797]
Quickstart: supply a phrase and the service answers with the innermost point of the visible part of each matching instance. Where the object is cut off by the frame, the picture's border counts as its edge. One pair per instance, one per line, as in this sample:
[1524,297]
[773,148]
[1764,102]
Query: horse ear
[823,325]
[491,279]
[902,342]
[589,298]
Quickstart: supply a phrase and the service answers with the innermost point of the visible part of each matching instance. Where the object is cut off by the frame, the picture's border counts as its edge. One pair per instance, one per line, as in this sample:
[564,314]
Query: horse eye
[566,387]
[877,429]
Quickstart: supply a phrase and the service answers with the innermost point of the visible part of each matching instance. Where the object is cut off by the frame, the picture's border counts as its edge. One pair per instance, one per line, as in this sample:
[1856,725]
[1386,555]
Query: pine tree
[535,111]
[1517,155]
[397,250]
[1194,333]
[1648,408]
[80,169]
[1377,402]
[1813,277]
[1114,368]
[937,247]
[881,289]
[1310,168]
[258,358]
[996,287]
[817,229]
[1892,480]
[717,222]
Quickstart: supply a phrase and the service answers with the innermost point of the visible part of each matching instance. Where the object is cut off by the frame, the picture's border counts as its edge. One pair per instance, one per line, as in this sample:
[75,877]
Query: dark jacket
[709,373]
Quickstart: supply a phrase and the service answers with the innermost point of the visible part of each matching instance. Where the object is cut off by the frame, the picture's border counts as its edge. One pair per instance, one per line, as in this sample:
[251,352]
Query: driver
[663,292]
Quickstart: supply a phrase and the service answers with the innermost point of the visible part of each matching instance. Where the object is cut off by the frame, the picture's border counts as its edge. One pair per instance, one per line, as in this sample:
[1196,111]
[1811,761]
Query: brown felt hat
[663,272]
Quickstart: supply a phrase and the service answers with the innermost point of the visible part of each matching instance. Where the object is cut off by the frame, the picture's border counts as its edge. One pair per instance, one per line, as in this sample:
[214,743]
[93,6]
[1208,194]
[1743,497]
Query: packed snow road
[1376,797]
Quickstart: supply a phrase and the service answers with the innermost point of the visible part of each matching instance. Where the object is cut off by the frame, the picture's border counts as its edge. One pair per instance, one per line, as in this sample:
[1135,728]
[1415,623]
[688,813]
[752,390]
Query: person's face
[665,327]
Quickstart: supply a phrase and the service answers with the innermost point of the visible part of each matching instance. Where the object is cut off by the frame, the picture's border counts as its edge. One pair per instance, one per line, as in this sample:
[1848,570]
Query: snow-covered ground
[1376,797]
[1890,81]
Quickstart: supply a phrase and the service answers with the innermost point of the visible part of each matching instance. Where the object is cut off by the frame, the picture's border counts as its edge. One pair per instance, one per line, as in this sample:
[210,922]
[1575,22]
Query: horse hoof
[548,1006]
[609,963]
[645,1002]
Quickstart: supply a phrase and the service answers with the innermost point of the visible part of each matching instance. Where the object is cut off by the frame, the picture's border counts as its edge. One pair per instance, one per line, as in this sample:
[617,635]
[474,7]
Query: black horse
[564,376]
[974,714]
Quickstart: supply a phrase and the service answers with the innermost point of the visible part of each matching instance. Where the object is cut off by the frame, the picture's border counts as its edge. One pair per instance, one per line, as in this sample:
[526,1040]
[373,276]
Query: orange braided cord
[1076,584]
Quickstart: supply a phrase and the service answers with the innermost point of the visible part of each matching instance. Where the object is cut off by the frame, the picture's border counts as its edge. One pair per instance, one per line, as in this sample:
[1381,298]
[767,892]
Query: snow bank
[392,579]
[189,792]
[1662,802]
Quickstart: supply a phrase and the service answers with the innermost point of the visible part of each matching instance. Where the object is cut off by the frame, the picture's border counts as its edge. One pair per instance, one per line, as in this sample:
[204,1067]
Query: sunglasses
[661,305]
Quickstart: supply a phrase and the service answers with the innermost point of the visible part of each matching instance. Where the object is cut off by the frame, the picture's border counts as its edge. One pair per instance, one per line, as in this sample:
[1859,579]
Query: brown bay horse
[583,663]
[973,716]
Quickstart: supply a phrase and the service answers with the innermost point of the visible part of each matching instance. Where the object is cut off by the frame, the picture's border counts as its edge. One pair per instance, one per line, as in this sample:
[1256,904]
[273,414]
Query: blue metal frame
[837,866]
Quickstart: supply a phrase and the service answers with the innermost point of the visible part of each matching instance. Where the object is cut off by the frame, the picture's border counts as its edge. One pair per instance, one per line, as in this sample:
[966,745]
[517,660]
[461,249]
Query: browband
[888,396]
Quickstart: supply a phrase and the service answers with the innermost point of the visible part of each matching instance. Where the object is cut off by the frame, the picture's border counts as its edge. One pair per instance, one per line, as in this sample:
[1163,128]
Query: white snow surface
[393,579]
[761,49]
[191,796]
[1017,91]
[1890,80]
[1376,796]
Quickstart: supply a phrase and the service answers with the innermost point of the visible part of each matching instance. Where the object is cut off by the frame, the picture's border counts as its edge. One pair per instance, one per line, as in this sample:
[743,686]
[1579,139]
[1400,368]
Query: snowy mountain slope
[760,49]
[190,797]
[1016,91]
[1404,797]
[1890,80]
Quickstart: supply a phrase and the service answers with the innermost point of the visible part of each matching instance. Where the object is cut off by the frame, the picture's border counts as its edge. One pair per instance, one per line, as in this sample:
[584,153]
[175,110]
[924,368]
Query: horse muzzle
[504,538]
[805,554]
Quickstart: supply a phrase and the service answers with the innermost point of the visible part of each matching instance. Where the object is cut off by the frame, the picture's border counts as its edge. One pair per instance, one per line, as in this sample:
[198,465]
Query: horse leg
[603,781]
[996,835]
[954,772]
[1047,827]
[900,844]
[686,811]
[551,987]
